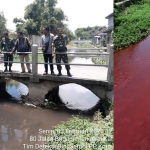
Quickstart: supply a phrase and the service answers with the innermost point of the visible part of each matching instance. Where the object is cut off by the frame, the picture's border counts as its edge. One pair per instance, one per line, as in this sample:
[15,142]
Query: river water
[18,123]
[91,58]
[132,99]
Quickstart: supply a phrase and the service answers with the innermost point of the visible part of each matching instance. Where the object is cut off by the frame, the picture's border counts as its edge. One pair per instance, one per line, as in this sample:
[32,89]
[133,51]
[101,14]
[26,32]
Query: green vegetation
[86,45]
[87,33]
[2,24]
[40,57]
[82,133]
[100,61]
[103,42]
[42,13]
[131,24]
[11,83]
[71,44]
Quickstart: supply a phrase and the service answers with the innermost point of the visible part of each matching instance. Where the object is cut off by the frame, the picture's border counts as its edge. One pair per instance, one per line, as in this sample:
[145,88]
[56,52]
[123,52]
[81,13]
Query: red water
[132,97]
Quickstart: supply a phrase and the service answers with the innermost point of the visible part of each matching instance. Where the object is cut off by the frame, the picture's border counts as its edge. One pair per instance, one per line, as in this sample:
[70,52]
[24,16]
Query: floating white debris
[77,97]
[30,105]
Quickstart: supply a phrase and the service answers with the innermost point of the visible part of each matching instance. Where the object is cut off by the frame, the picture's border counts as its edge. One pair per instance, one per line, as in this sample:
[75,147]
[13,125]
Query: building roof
[98,35]
[101,32]
[110,15]
[108,30]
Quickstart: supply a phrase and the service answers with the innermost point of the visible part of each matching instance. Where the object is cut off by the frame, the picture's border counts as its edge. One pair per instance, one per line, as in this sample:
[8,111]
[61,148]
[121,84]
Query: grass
[100,61]
[40,57]
[81,133]
[131,24]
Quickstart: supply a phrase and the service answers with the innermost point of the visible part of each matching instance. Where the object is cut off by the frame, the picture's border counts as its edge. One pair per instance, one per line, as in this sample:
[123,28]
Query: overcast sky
[81,13]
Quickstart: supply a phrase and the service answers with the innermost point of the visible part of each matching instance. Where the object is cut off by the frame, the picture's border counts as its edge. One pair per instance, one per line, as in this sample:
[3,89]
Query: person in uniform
[59,44]
[7,45]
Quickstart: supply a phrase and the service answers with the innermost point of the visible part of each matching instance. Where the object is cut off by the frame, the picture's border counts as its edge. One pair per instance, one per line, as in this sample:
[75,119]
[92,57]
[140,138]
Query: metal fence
[82,52]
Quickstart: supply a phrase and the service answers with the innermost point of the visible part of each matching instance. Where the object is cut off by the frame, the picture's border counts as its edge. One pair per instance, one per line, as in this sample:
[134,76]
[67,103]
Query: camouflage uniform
[60,46]
[7,46]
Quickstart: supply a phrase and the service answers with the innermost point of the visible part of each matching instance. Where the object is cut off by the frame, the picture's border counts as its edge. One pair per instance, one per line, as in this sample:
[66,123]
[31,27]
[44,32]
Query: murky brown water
[18,123]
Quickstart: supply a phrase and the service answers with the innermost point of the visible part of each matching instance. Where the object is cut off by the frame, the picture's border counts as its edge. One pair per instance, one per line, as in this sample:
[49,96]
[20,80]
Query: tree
[2,24]
[69,34]
[87,33]
[13,35]
[42,13]
[20,24]
[103,42]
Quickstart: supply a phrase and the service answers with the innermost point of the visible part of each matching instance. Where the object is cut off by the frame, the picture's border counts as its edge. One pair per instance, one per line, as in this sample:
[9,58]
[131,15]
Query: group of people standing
[51,46]
[9,47]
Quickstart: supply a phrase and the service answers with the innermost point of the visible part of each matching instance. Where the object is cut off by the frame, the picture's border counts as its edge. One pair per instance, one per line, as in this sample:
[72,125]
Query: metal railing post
[34,59]
[110,65]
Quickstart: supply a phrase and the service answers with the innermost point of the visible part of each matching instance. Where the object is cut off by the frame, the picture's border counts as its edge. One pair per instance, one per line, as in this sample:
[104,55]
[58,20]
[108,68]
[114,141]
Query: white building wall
[36,40]
[111,22]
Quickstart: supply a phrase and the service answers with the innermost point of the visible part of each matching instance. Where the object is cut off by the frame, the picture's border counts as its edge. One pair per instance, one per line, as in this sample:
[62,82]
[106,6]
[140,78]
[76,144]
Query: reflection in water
[28,121]
[16,89]
[9,134]
[77,97]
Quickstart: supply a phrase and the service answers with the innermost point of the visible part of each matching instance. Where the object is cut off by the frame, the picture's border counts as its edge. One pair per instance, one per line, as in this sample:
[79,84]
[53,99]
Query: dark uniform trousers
[8,57]
[48,58]
[62,57]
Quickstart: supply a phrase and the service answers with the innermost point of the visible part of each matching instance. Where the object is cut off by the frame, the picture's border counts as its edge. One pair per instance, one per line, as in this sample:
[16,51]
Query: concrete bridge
[39,84]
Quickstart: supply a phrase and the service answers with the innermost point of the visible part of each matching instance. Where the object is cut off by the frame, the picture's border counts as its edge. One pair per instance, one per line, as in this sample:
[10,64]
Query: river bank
[131,25]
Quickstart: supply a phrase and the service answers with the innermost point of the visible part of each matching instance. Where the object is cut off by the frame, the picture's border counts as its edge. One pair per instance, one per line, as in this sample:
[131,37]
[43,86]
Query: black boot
[59,73]
[68,73]
[5,69]
[10,69]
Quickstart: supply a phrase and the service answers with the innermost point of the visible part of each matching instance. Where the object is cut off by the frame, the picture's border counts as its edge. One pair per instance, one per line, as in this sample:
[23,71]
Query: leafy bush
[131,25]
[80,133]
[100,61]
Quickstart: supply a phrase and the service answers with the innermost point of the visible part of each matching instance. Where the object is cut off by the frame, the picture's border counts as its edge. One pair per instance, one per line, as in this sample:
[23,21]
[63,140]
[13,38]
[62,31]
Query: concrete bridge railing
[109,60]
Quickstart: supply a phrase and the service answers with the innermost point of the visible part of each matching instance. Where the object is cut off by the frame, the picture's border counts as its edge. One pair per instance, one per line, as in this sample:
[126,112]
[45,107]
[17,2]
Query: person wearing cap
[59,43]
[7,45]
[23,45]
